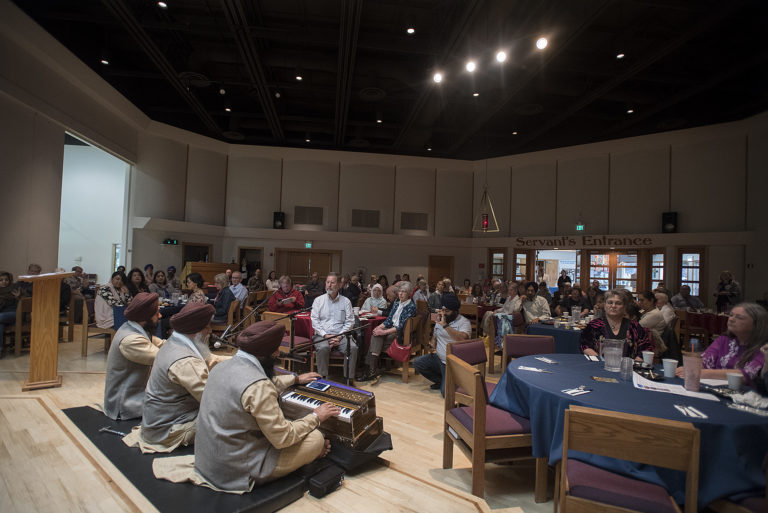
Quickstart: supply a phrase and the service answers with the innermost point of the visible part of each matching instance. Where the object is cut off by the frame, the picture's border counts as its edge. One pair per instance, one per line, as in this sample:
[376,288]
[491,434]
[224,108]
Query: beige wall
[250,178]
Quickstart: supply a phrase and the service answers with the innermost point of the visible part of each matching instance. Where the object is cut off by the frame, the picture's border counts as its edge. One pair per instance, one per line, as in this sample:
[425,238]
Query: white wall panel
[311,184]
[366,187]
[253,191]
[533,199]
[582,193]
[159,179]
[639,190]
[414,192]
[206,187]
[453,204]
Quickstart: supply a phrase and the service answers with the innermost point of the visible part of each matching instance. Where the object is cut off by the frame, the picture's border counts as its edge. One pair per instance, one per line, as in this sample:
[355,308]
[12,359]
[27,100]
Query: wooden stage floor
[47,465]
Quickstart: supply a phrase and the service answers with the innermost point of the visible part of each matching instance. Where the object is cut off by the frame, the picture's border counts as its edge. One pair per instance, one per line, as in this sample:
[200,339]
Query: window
[600,269]
[690,270]
[626,271]
[521,267]
[657,269]
[497,259]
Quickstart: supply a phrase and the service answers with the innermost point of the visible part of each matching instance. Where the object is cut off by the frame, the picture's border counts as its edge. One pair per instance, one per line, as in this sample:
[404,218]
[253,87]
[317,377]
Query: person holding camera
[449,327]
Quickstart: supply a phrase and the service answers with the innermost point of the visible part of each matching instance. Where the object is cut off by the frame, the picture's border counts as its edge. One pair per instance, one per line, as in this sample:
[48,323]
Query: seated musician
[243,439]
[130,358]
[176,383]
[285,299]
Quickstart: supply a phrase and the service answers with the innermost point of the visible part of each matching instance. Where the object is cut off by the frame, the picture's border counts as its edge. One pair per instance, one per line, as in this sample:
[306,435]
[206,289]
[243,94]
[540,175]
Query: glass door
[613,270]
[600,269]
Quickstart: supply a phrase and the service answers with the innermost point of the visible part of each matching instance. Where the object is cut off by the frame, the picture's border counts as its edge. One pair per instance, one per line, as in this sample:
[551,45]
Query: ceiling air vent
[307,215]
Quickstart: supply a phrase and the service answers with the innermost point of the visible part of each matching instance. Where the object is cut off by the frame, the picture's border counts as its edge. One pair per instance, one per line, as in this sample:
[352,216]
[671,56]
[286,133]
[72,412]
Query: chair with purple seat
[472,352]
[285,344]
[484,433]
[517,346]
[582,487]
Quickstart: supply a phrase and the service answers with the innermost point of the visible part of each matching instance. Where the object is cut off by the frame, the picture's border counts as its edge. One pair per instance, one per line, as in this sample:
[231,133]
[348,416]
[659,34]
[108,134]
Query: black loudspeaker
[278,220]
[669,222]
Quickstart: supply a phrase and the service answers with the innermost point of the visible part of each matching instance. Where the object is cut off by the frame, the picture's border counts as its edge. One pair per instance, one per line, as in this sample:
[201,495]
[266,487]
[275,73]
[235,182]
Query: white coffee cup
[356,310]
[648,358]
[735,380]
[670,366]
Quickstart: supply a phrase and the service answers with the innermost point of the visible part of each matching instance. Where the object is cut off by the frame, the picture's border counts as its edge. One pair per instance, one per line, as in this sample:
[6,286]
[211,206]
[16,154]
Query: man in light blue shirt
[237,288]
[331,315]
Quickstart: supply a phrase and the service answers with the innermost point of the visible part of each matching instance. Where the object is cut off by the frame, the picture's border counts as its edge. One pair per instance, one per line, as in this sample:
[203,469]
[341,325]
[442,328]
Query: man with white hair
[176,383]
[662,303]
[238,289]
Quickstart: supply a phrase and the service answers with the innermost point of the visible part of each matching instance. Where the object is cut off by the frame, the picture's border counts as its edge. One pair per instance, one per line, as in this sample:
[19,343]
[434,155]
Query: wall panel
[366,187]
[253,191]
[160,178]
[639,190]
[311,184]
[206,187]
[582,193]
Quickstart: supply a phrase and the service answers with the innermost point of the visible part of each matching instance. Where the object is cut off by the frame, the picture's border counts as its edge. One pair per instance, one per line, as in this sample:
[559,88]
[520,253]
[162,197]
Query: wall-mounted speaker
[278,220]
[669,222]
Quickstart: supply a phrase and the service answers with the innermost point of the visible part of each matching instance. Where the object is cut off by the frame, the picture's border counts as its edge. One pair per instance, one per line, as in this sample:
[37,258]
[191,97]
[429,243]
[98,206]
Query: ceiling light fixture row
[501,56]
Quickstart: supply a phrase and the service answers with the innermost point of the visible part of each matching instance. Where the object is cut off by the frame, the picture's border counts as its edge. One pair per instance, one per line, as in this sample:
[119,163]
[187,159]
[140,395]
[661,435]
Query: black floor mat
[170,497]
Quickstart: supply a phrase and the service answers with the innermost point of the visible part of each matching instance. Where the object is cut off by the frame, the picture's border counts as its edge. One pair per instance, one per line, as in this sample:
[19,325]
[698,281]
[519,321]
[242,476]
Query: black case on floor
[326,481]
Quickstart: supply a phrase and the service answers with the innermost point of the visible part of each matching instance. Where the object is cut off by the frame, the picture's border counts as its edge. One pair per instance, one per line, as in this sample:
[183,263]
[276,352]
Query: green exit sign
[580,227]
[308,244]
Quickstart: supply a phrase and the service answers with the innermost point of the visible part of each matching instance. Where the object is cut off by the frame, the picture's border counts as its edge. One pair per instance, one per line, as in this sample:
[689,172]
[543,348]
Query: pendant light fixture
[485,220]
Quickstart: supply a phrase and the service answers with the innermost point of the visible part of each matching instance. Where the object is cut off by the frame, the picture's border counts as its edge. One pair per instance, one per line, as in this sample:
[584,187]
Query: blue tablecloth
[733,443]
[566,340]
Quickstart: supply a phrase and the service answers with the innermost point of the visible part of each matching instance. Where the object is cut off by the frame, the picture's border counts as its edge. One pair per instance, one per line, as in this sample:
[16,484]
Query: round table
[733,443]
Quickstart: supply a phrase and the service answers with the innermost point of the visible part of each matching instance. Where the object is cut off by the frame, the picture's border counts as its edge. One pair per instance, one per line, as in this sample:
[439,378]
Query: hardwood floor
[46,464]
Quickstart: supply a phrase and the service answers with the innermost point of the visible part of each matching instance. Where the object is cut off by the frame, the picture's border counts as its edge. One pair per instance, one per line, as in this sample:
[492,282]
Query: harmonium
[356,426]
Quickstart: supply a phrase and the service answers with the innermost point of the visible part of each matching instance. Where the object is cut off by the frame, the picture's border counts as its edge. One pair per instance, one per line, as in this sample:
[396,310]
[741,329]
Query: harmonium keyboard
[357,425]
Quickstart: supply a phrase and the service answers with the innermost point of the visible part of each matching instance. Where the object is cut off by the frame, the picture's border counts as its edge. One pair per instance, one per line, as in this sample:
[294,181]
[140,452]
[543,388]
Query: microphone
[219,342]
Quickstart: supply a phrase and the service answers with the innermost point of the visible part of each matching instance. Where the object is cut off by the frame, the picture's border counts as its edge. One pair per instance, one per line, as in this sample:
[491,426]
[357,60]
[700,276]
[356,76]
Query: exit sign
[580,227]
[308,244]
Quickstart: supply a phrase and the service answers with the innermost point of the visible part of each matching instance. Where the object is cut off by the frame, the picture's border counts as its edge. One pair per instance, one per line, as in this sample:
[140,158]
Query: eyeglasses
[614,303]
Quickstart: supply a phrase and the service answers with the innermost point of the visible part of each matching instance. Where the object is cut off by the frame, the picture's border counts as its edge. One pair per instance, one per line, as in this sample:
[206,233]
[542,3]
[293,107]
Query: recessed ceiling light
[299,78]
[410,30]
[222,91]
[514,133]
[437,77]
[227,109]
[630,111]
[277,94]
[475,94]
[541,43]
[471,66]
[307,139]
[378,121]
[104,61]
[162,5]
[429,148]
[619,55]
[501,56]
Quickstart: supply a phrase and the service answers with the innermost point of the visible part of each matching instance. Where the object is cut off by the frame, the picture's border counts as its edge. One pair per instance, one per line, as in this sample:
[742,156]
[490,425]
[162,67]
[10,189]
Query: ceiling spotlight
[429,148]
[475,94]
[299,78]
[501,56]
[619,55]
[630,111]
[104,61]
[437,77]
[379,121]
[514,133]
[411,30]
[277,94]
[471,66]
[541,43]
[227,109]
[222,91]
[162,5]
[307,139]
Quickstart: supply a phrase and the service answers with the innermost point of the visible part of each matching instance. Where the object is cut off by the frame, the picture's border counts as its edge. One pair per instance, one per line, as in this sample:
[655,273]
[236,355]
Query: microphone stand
[226,334]
[347,356]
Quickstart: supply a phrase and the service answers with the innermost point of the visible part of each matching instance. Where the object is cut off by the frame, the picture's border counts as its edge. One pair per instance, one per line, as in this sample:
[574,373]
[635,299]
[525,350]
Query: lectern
[44,343]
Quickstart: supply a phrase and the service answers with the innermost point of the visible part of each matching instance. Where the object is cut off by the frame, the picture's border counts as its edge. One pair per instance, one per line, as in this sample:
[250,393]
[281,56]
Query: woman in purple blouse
[740,347]
[616,325]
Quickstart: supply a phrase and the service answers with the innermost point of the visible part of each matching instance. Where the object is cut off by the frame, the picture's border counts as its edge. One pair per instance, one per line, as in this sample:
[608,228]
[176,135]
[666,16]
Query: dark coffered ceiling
[686,63]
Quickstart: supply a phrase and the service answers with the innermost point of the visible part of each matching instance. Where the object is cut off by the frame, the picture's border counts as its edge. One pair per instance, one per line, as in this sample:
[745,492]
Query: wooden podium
[44,343]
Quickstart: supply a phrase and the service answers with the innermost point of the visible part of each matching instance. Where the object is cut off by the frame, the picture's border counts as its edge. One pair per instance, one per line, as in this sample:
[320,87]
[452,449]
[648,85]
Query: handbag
[399,352]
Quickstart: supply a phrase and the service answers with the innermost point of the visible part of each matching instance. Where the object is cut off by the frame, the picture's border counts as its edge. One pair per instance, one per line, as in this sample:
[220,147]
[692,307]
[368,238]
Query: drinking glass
[612,350]
[692,371]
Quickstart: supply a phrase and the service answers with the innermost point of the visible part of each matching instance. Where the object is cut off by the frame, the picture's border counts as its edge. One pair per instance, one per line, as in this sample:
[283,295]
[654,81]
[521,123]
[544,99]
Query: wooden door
[439,266]
[299,264]
[320,263]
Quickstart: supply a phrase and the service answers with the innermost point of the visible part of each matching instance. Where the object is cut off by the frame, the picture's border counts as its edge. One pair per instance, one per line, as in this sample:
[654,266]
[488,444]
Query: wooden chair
[648,440]
[67,321]
[473,353]
[250,304]
[92,330]
[517,346]
[422,311]
[410,336]
[232,316]
[470,311]
[484,433]
[23,325]
[684,330]
[518,324]
[285,344]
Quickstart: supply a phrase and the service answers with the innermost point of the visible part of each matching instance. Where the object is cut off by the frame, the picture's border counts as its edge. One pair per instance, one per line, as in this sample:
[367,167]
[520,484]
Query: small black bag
[326,481]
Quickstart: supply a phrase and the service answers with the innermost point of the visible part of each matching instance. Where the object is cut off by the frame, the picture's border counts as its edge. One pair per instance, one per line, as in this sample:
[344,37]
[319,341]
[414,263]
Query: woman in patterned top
[739,348]
[112,294]
[615,325]
[194,283]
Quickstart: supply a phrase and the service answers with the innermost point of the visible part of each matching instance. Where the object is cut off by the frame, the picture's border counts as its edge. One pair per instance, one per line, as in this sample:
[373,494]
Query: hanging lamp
[485,220]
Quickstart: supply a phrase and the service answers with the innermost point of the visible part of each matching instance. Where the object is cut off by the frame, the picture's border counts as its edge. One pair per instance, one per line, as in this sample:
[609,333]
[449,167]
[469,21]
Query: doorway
[299,264]
[249,259]
[439,267]
[196,253]
[614,269]
[550,263]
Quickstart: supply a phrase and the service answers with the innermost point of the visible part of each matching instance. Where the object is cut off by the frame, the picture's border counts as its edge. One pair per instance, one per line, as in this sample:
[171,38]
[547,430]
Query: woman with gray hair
[739,348]
[224,298]
[386,332]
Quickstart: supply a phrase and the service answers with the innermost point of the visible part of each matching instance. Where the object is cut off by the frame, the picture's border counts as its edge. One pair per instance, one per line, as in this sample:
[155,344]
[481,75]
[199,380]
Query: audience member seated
[171,278]
[563,279]
[435,300]
[160,286]
[387,331]
[286,299]
[598,309]
[450,327]
[466,288]
[740,347]
[563,291]
[224,298]
[574,298]
[422,292]
[616,326]
[662,303]
[543,291]
[243,439]
[111,294]
[475,295]
[331,316]
[255,283]
[149,273]
[652,319]
[237,288]
[136,282]
[384,282]
[685,300]
[351,289]
[272,282]
[313,289]
[632,309]
[533,306]
[195,285]
[374,281]
[376,303]
[728,292]
[78,283]
[25,287]
[9,297]
[500,300]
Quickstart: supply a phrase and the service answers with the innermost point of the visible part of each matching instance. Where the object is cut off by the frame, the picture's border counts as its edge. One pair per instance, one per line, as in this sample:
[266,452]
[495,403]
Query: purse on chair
[397,351]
